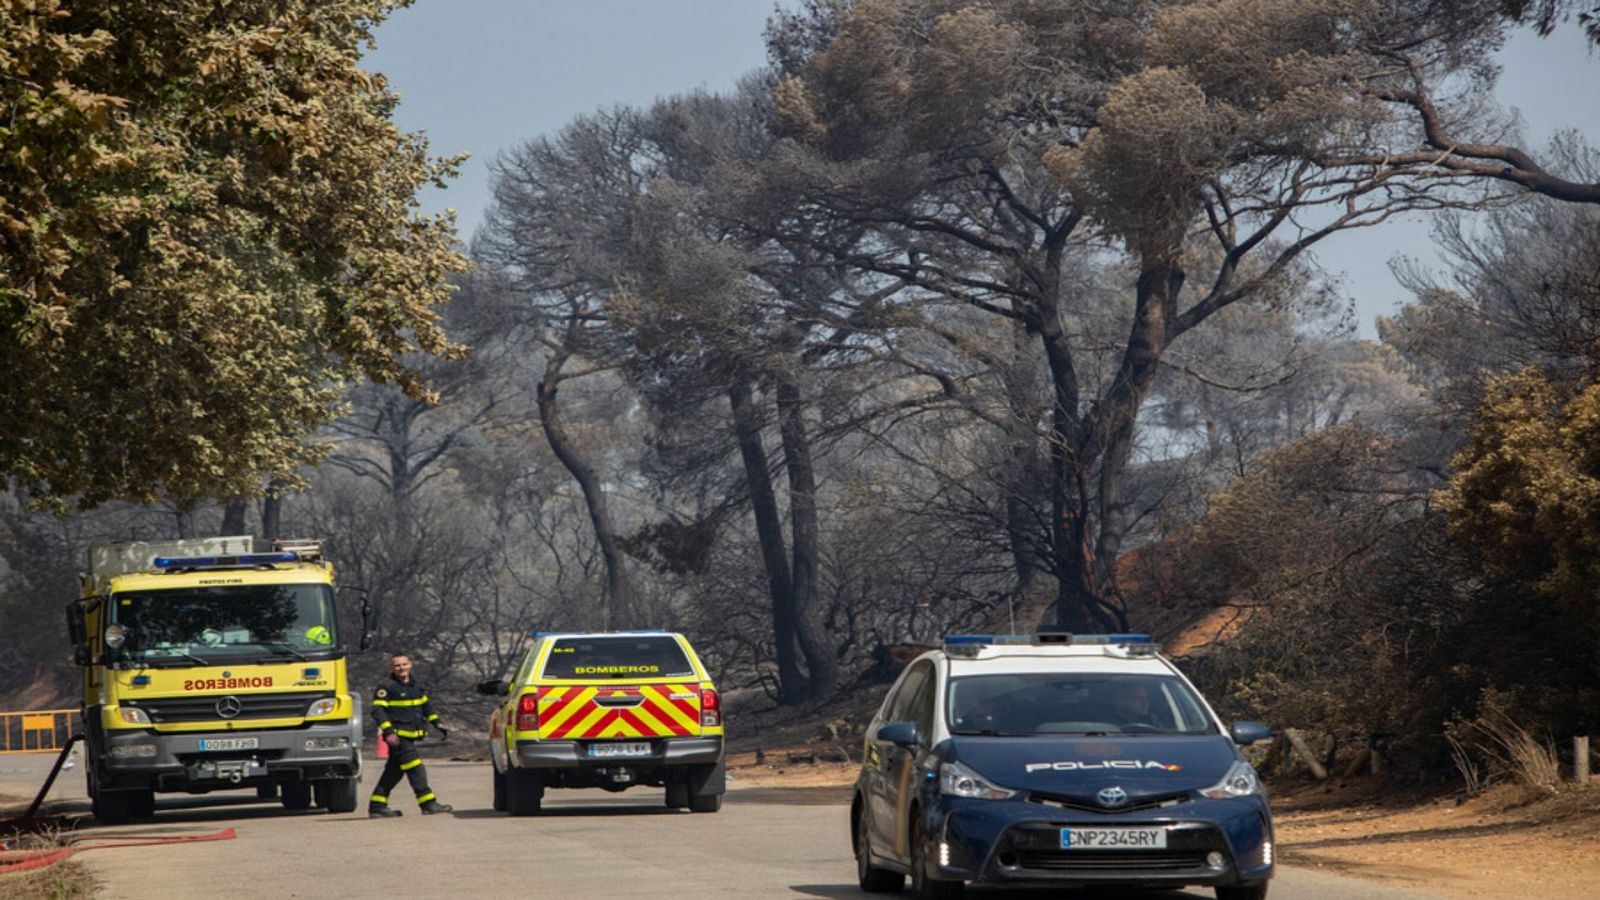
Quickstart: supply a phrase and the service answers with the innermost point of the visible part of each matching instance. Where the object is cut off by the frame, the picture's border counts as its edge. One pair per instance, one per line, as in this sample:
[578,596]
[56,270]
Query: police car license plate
[1113,839]
[639,748]
[229,743]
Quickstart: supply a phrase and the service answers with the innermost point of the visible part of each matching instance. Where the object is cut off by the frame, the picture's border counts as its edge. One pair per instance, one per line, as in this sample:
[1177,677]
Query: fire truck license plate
[229,743]
[628,749]
[1113,838]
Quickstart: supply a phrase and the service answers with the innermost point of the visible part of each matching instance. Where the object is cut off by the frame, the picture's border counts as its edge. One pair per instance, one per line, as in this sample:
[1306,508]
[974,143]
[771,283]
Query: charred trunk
[805,535]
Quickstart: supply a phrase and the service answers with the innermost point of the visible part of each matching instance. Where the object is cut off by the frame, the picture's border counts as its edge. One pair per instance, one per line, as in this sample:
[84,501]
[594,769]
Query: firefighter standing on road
[401,707]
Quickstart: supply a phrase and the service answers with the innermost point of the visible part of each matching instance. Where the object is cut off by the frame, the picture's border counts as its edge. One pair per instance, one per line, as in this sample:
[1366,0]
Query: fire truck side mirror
[78,633]
[366,625]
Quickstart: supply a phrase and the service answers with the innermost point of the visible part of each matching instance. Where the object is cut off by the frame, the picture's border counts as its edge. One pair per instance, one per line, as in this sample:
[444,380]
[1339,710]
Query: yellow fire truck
[209,666]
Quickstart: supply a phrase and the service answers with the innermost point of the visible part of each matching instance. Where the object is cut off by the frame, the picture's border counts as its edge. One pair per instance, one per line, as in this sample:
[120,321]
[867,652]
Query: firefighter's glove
[444,733]
[392,739]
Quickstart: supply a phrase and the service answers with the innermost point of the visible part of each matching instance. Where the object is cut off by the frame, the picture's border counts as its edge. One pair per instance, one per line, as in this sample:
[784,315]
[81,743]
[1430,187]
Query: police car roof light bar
[247,560]
[1044,637]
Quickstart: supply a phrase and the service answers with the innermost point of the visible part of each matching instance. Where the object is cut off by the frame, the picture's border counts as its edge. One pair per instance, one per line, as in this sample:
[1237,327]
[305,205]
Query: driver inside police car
[1130,702]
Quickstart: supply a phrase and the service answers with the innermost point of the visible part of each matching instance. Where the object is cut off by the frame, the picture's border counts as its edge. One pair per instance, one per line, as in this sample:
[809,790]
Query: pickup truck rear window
[653,656]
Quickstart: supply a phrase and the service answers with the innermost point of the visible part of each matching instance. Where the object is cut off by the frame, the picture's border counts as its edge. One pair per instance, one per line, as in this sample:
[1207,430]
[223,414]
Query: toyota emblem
[228,707]
[1112,797]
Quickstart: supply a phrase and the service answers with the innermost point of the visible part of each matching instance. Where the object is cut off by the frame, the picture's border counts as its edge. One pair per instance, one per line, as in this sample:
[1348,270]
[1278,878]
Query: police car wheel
[923,886]
[1253,891]
[872,879]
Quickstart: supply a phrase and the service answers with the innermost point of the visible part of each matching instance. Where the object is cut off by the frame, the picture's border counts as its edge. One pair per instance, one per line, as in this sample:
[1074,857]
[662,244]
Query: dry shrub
[1495,744]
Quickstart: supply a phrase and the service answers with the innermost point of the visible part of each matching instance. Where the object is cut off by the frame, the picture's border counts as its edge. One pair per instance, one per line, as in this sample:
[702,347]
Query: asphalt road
[588,844]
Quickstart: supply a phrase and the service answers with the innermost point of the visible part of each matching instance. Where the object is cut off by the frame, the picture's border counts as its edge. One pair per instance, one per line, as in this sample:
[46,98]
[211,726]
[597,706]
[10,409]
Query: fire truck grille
[249,706]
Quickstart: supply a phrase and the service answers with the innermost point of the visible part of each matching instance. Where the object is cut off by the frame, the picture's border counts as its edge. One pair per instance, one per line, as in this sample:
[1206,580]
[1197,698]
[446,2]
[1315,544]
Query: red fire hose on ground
[31,823]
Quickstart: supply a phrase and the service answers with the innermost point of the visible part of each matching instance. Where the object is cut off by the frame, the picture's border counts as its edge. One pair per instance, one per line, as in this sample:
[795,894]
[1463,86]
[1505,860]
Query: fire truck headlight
[133,715]
[322,707]
[327,743]
[132,751]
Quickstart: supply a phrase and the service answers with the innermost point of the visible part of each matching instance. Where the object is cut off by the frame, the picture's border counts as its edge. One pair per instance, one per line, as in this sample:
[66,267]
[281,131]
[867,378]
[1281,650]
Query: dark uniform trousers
[402,709]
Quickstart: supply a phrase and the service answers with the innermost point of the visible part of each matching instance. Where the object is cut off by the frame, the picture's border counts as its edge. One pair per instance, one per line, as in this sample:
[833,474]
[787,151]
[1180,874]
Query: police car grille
[1154,802]
[252,706]
[1119,860]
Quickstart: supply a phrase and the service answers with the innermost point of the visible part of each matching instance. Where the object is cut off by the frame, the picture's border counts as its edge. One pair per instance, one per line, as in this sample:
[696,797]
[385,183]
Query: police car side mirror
[1246,733]
[494,687]
[901,734]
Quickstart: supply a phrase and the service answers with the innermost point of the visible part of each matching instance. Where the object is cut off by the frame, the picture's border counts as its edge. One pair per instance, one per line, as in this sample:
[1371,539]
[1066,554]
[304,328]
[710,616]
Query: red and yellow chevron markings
[619,711]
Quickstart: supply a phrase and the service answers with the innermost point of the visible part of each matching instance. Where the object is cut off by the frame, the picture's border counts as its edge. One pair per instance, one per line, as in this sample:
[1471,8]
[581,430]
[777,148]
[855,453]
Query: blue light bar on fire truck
[224,562]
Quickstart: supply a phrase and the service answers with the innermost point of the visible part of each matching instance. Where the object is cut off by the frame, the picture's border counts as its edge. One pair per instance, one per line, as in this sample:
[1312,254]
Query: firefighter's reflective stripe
[419,733]
[577,711]
[408,766]
[426,797]
[417,702]
[380,798]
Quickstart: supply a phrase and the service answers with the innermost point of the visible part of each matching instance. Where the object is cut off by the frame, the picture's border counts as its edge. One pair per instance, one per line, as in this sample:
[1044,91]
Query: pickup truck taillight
[710,708]
[528,712]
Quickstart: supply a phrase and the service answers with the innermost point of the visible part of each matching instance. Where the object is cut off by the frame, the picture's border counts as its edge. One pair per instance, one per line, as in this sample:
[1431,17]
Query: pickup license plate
[229,743]
[1113,839]
[638,748]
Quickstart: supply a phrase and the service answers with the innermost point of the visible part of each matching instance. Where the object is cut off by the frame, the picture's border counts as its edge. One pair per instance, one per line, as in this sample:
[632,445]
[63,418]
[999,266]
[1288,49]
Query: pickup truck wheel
[297,795]
[677,794]
[338,795]
[705,802]
[499,789]
[524,792]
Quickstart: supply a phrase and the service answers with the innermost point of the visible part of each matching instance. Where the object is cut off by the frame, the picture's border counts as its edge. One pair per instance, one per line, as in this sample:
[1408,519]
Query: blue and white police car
[1053,760]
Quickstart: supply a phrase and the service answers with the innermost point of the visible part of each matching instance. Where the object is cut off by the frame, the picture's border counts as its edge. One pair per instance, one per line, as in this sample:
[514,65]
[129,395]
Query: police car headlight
[1241,781]
[957,780]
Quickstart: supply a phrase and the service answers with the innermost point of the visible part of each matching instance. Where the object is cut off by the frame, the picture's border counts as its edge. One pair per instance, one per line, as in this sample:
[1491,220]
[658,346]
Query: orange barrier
[36,731]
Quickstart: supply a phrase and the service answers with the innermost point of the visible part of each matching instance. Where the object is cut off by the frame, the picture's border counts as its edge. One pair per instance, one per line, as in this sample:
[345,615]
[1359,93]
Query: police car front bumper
[1018,843]
[217,760]
[663,752]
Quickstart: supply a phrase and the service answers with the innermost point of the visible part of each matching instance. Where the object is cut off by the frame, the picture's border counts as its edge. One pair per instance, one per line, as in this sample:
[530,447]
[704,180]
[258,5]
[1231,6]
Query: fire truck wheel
[297,795]
[267,792]
[144,804]
[337,795]
[524,791]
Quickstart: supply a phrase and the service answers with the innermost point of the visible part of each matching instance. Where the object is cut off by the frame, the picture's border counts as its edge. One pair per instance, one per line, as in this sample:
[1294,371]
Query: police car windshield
[621,656]
[1080,703]
[226,623]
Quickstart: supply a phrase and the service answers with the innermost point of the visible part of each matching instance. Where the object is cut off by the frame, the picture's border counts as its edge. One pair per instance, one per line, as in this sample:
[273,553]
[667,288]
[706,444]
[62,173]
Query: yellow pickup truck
[610,710]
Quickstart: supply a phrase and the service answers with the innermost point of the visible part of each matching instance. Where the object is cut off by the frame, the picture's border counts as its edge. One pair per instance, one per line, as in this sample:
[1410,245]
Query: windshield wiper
[282,647]
[171,655]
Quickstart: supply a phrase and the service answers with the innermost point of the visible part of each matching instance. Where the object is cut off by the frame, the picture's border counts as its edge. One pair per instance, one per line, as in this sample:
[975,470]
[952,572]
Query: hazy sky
[480,76]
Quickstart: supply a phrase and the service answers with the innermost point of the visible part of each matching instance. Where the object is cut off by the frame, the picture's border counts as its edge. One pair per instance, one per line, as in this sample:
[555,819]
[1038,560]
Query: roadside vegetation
[955,317]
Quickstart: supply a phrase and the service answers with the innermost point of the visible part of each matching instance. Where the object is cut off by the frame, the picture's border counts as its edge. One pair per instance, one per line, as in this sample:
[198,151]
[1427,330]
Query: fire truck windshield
[233,623]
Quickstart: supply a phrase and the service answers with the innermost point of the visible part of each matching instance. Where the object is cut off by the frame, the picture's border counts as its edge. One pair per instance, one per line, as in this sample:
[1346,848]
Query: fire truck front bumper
[204,761]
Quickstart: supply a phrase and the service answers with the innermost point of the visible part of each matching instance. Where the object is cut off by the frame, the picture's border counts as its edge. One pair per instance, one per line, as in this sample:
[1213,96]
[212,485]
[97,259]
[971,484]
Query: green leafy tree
[207,225]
